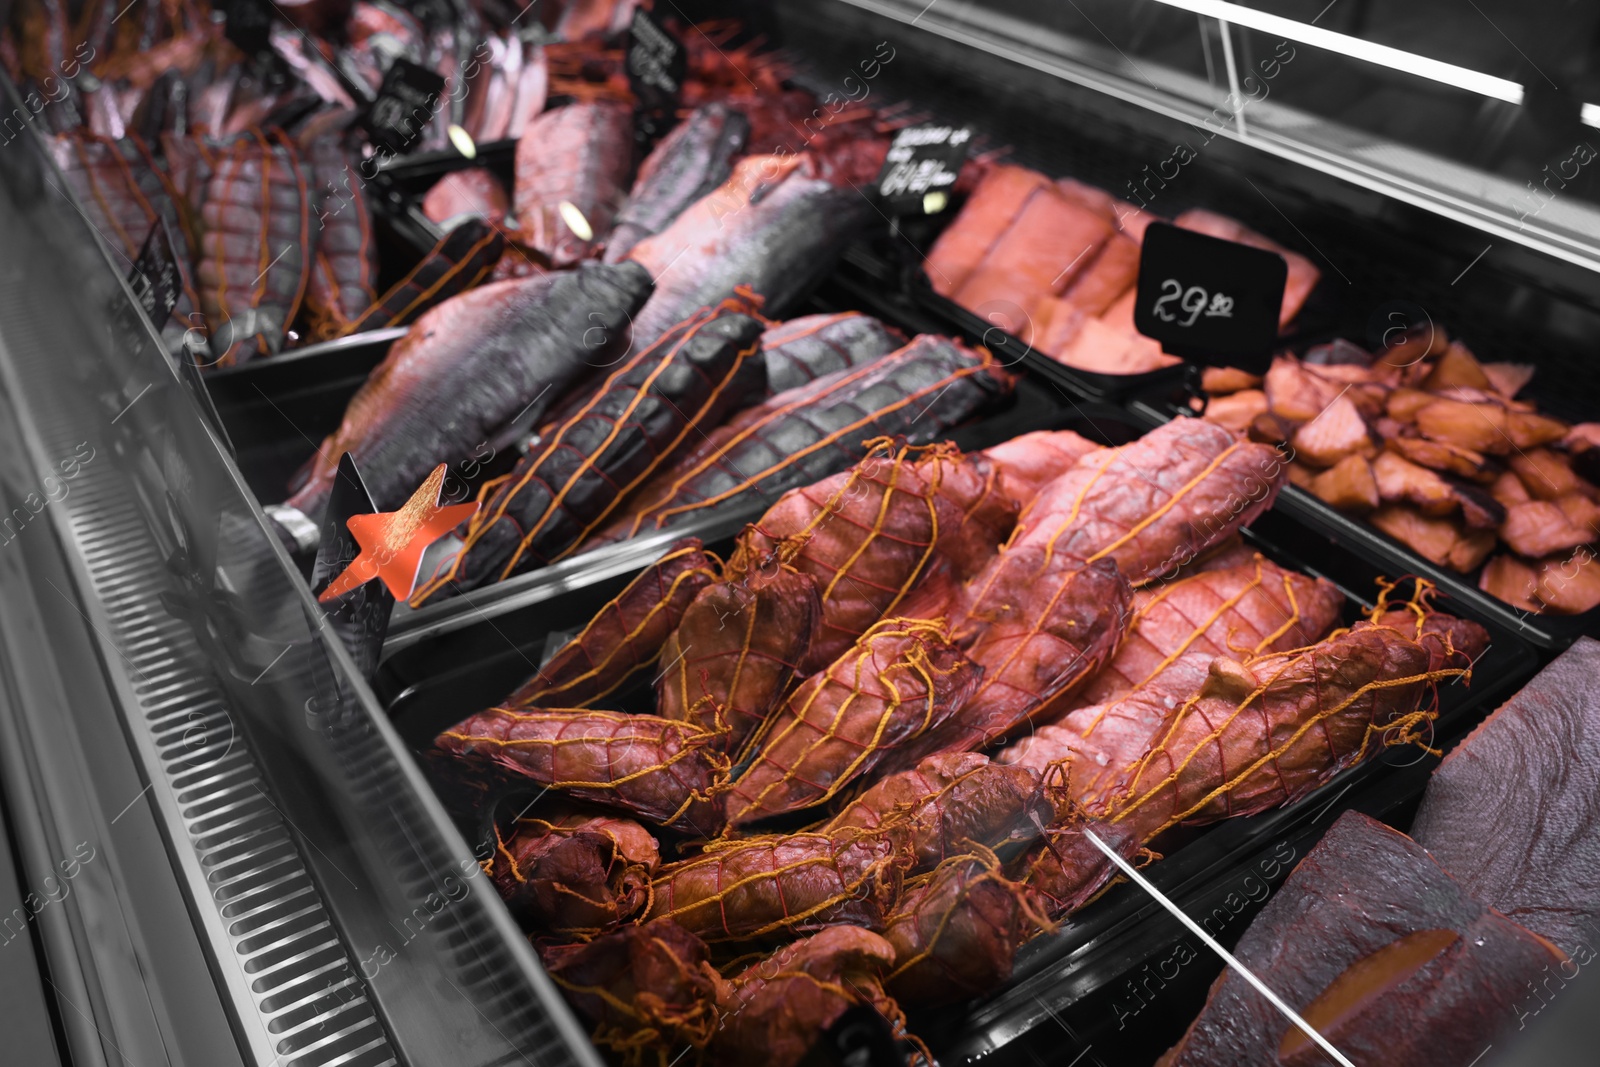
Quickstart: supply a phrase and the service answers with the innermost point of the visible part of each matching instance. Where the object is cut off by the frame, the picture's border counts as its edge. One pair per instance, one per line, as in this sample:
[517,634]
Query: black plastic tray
[1554,632]
[895,259]
[277,411]
[448,660]
[1071,989]
[1124,979]
[414,175]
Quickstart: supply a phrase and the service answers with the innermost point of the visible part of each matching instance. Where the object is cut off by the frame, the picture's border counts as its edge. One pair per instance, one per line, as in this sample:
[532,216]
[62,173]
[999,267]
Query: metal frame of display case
[271,882]
[175,698]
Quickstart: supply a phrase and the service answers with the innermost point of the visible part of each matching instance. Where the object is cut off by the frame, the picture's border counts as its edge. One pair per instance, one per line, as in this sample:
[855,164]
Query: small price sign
[155,280]
[921,167]
[248,24]
[1209,300]
[657,63]
[406,102]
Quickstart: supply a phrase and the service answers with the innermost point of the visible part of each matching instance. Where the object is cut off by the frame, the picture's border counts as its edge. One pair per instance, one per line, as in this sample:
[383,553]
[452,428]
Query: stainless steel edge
[219,825]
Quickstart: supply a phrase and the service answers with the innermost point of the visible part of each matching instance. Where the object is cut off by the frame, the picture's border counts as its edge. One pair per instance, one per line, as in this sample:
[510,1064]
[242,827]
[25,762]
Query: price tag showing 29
[1194,300]
[1231,320]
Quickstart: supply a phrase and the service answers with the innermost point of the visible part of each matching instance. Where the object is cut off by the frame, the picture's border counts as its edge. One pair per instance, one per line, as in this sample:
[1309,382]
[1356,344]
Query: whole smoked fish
[647,411]
[572,174]
[770,227]
[465,369]
[689,163]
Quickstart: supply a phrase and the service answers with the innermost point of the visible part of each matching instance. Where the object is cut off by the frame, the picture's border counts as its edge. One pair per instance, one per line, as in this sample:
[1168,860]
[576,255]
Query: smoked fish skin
[625,636]
[1528,771]
[1381,952]
[465,369]
[1155,504]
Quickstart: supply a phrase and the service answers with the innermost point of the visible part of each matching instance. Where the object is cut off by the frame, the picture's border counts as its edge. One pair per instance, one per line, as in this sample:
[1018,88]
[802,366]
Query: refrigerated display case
[227,843]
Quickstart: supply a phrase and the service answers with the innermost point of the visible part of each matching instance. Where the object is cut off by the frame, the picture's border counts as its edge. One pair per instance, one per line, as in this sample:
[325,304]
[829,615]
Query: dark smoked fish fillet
[465,369]
[1374,945]
[1247,610]
[1155,504]
[649,410]
[462,258]
[1532,772]
[802,350]
[805,434]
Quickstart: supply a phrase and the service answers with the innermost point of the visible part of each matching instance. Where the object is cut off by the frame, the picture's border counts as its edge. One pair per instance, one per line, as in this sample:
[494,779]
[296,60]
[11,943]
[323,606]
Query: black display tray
[1122,981]
[882,262]
[414,175]
[1071,994]
[460,655]
[1553,632]
[277,411]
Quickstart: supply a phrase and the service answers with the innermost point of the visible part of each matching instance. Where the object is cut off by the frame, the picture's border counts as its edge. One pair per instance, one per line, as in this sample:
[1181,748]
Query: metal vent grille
[310,1000]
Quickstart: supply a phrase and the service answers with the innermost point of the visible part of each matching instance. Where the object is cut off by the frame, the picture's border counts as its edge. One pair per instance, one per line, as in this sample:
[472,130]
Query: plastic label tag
[361,616]
[1209,300]
[405,105]
[154,279]
[921,168]
[657,62]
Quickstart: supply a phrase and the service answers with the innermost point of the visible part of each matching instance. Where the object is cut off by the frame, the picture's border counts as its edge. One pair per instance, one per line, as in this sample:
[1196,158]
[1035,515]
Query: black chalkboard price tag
[921,168]
[248,24]
[657,63]
[361,616]
[1209,300]
[406,102]
[155,280]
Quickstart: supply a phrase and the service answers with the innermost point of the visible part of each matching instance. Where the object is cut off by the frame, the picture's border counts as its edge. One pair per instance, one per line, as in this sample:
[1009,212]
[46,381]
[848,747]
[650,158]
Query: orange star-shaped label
[392,542]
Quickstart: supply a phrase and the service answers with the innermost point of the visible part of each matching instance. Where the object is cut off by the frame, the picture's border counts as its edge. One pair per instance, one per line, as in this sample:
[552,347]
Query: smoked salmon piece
[1531,771]
[1548,475]
[1050,241]
[1440,456]
[988,212]
[1401,481]
[1237,411]
[1030,461]
[1511,579]
[1336,432]
[1113,271]
[1348,485]
[1444,541]
[1221,380]
[1540,528]
[1381,952]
